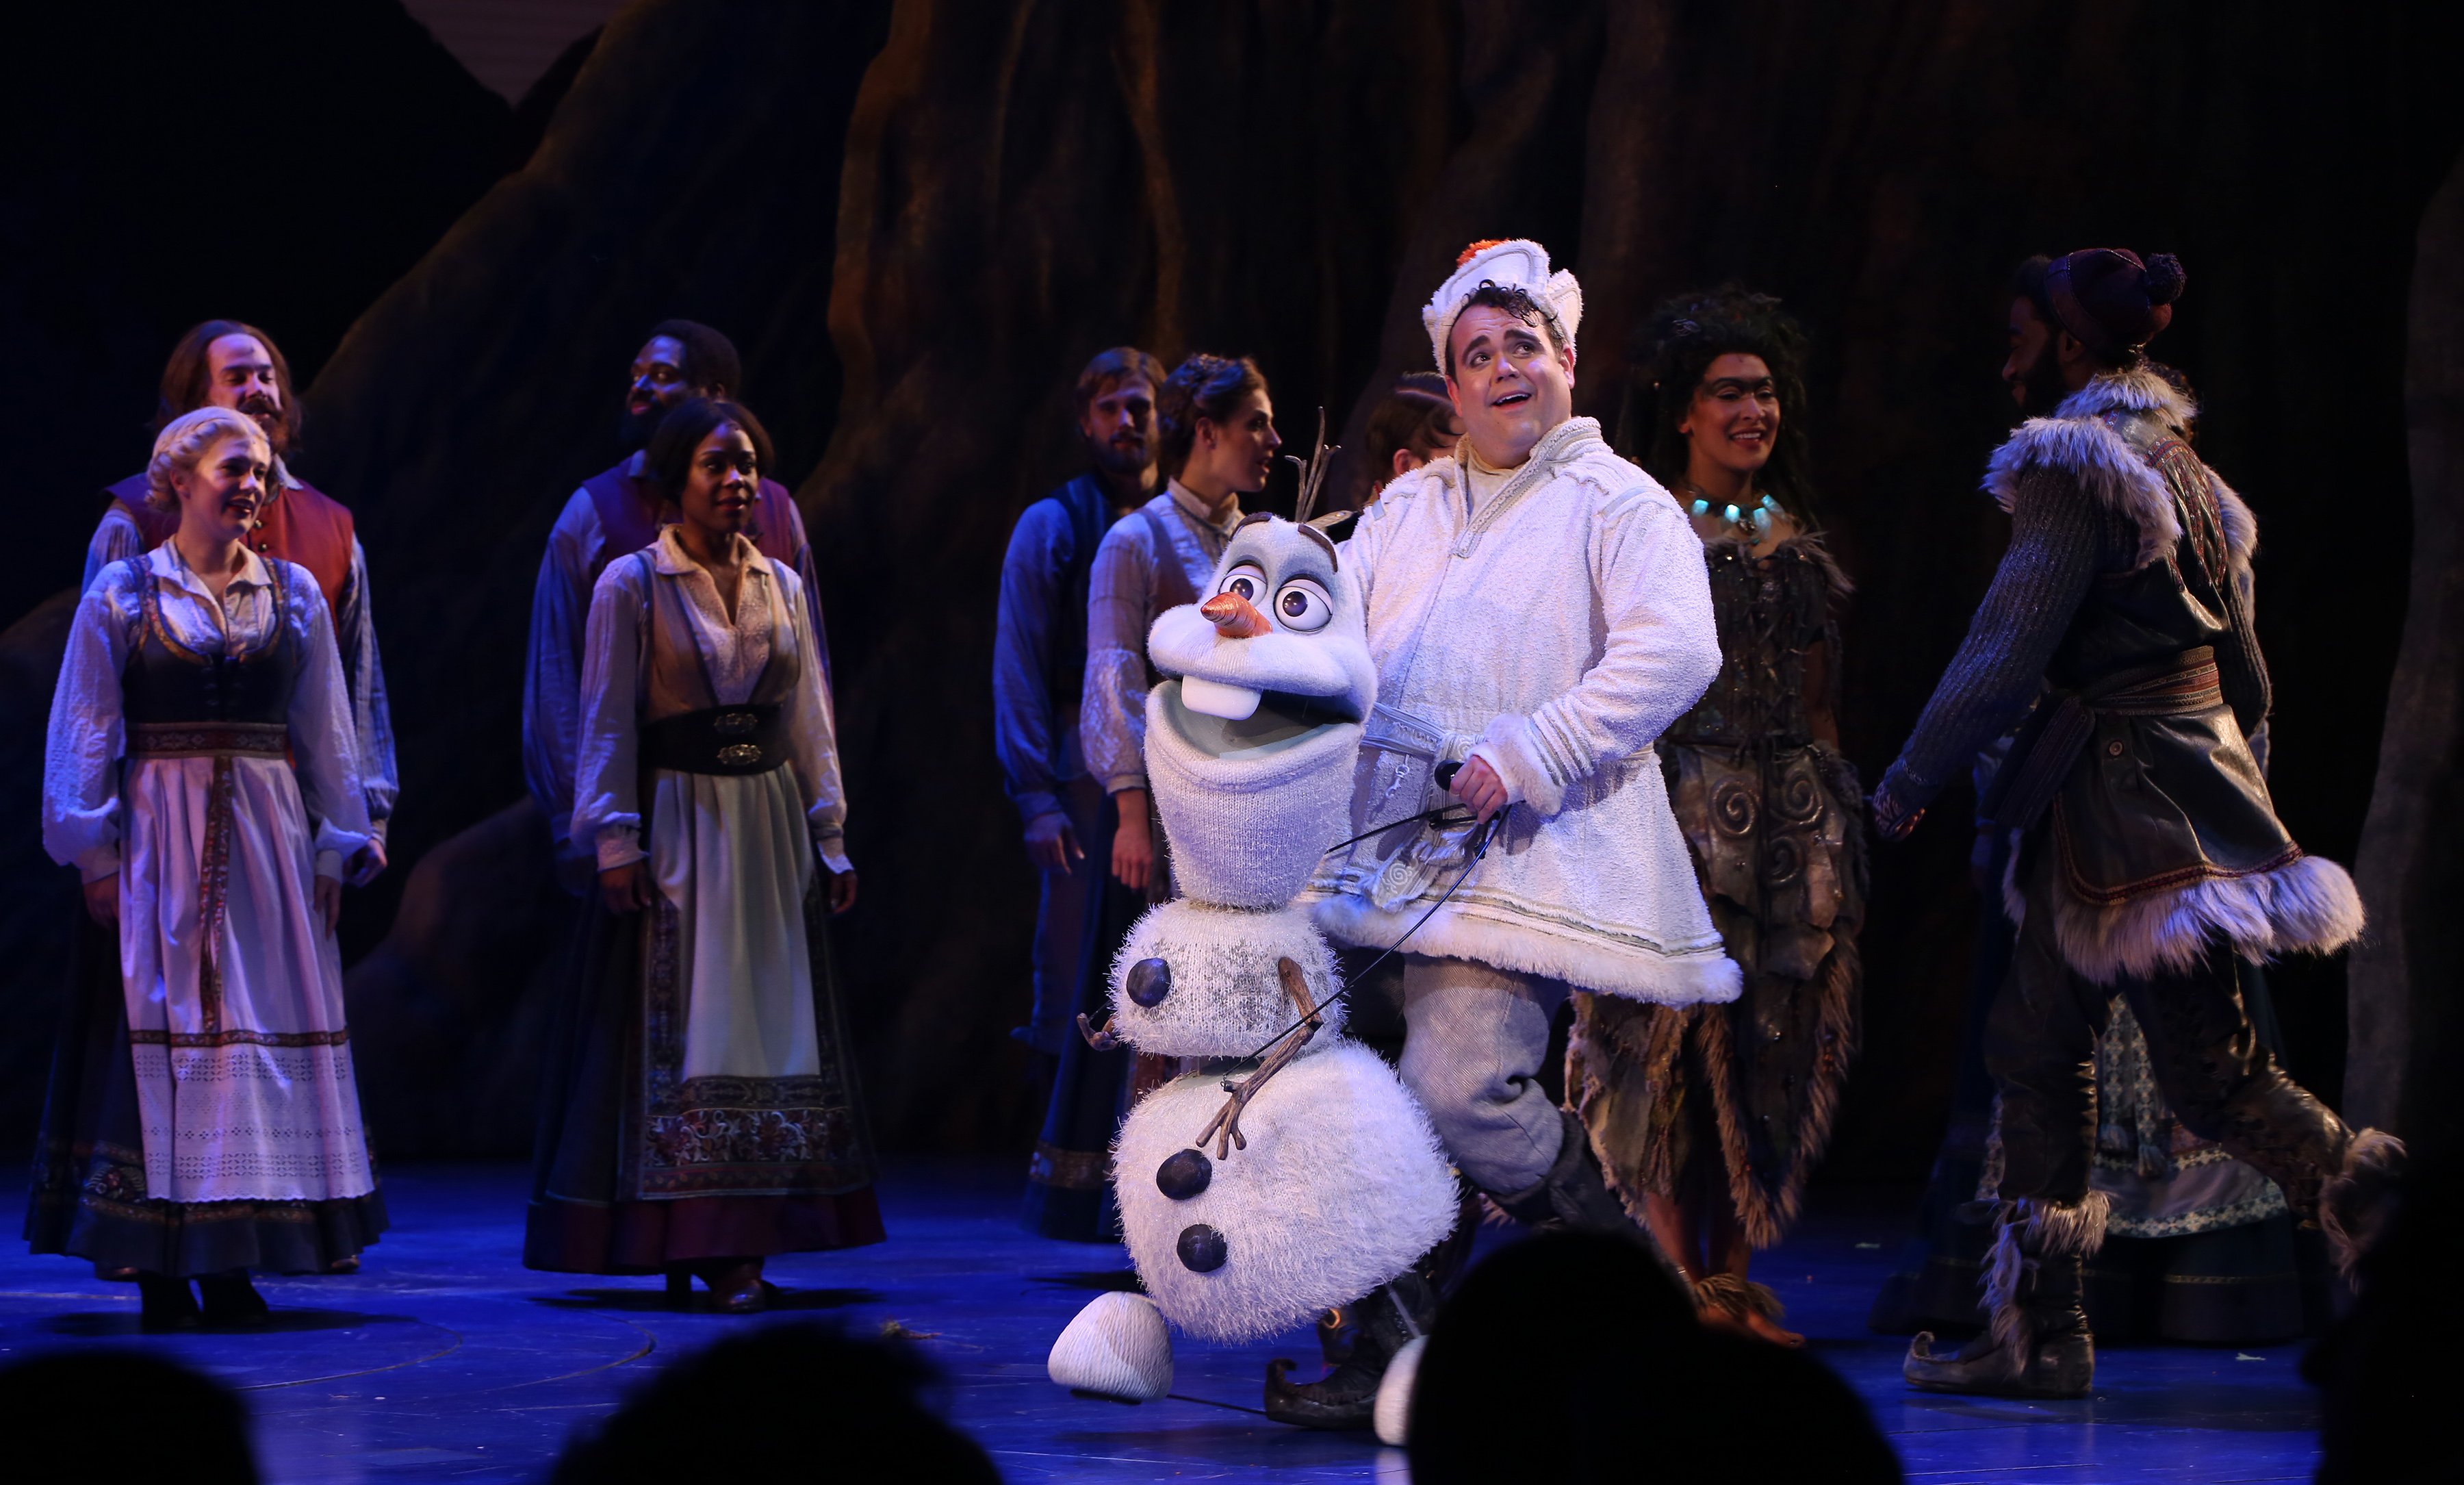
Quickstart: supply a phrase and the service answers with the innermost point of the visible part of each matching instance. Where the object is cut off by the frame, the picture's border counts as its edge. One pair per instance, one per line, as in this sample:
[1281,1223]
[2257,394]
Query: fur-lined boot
[2037,1343]
[1389,1318]
[2356,1203]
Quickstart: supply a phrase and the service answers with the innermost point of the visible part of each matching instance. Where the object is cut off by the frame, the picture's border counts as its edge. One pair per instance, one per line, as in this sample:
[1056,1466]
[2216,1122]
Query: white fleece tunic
[1555,633]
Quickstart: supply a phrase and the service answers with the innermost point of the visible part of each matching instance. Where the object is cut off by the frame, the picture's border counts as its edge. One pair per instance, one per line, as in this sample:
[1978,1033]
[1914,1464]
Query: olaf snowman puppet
[1291,1173]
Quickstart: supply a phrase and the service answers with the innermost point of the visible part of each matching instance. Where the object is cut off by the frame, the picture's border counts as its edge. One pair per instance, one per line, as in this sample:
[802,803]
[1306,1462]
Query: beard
[1122,459]
[267,415]
[635,430]
[2041,388]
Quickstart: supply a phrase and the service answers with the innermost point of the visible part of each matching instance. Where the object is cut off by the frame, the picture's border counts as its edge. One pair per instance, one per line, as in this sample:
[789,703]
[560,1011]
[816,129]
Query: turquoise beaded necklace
[1756,523]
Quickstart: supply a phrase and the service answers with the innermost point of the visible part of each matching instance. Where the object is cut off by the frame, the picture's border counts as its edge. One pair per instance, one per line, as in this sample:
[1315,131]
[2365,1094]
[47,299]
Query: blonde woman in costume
[202,775]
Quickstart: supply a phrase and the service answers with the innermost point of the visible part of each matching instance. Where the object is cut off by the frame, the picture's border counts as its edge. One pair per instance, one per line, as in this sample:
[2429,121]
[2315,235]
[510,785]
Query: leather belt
[723,740]
[209,739]
[2053,738]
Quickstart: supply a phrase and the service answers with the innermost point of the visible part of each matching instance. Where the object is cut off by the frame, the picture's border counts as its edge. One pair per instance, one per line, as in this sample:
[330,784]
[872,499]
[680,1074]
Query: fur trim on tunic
[2075,442]
[1625,968]
[2308,904]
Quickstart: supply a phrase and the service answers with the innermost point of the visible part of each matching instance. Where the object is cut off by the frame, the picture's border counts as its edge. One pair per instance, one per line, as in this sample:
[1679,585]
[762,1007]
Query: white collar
[669,557]
[1195,506]
[164,561]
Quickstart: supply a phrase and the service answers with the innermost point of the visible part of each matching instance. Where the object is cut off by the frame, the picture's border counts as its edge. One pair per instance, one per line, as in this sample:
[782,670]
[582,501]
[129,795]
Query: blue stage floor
[445,1360]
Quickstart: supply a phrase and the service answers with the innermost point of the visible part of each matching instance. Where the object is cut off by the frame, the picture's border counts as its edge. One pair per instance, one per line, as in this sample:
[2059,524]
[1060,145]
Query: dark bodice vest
[2139,756]
[1768,812]
[2182,601]
[748,737]
[1771,611]
[168,685]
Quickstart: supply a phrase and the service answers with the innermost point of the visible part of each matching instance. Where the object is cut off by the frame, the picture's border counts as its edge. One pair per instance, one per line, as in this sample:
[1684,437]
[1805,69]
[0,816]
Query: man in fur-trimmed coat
[1539,612]
[2148,858]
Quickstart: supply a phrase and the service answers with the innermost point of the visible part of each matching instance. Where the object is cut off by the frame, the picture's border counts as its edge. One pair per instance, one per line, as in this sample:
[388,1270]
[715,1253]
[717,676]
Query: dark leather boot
[2036,1346]
[231,1299]
[165,1303]
[1347,1397]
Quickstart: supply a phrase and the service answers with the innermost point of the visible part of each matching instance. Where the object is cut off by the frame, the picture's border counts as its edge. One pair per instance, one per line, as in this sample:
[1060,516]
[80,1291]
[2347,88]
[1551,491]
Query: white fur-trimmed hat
[1516,263]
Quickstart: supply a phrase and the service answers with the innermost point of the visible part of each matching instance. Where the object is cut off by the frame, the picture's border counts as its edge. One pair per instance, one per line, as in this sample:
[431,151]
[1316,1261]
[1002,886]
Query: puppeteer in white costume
[1289,1172]
[203,1118]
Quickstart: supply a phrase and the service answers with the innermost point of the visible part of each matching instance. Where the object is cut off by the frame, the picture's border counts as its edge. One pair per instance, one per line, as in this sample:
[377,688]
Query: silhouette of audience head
[1574,1358]
[188,1427]
[784,1403]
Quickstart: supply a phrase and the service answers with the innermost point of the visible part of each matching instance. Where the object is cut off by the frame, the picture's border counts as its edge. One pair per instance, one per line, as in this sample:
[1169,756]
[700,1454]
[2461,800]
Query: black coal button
[1202,1249]
[1185,1175]
[1150,982]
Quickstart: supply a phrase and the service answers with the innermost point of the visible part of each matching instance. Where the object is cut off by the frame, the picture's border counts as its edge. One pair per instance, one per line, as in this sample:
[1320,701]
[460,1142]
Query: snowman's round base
[1342,1186]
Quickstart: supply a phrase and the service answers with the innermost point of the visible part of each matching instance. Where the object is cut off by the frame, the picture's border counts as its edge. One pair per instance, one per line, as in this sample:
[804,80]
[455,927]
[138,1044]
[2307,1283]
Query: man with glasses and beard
[226,363]
[618,512]
[1038,665]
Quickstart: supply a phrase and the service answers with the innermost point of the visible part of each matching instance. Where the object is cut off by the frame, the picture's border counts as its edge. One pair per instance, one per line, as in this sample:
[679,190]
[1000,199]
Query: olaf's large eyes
[1248,580]
[1303,606]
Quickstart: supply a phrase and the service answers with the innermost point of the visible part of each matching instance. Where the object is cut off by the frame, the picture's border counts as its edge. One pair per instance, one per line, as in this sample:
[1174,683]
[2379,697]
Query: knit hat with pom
[2109,300]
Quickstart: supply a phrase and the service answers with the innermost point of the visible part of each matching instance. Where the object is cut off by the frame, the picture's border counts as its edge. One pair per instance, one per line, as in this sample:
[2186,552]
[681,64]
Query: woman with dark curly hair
[1708,1118]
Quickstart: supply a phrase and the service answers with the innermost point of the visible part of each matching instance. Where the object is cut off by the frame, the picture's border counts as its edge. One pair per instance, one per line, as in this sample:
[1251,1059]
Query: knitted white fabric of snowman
[1339,1182]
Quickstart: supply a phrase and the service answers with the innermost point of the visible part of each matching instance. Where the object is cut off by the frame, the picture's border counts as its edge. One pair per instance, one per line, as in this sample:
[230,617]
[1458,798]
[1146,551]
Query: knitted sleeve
[2061,539]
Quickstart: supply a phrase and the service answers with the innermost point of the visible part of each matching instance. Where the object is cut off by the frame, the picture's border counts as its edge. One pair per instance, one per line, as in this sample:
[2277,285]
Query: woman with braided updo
[203,775]
[1709,1117]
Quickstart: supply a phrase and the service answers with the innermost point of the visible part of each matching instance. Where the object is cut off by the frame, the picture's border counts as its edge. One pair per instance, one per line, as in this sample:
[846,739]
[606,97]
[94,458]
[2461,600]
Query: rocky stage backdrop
[918,219]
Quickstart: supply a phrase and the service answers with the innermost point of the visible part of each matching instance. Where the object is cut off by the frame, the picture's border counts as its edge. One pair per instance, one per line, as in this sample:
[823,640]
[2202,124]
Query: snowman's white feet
[1118,1347]
[1394,1392]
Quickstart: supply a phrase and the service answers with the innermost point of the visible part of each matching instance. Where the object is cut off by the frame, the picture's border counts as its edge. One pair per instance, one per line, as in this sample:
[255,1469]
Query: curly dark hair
[1678,344]
[1202,386]
[1516,301]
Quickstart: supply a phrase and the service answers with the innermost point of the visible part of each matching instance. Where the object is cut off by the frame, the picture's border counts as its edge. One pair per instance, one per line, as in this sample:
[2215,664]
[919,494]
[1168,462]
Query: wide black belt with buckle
[722,739]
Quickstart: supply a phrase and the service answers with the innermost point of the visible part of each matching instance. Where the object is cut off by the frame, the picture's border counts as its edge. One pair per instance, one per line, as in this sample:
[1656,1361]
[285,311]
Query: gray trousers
[1474,1042]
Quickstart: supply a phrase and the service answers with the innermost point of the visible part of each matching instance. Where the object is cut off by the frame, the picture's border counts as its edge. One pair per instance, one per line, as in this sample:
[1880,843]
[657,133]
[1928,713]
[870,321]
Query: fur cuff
[2356,1203]
[1507,747]
[2062,1228]
[2004,1267]
[2306,905]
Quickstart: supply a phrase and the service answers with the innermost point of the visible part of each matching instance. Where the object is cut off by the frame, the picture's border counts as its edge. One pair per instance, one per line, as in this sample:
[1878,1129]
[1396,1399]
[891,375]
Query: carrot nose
[1233,616]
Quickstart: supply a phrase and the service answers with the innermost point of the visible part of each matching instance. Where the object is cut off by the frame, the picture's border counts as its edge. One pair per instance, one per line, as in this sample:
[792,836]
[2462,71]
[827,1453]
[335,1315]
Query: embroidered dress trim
[726,1135]
[209,739]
